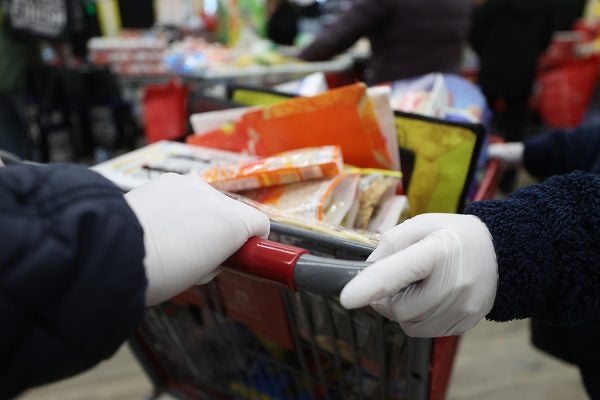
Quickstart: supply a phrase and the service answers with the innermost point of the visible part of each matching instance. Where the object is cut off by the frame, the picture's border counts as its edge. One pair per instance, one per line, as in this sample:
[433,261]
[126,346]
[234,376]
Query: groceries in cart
[303,144]
[281,169]
[133,169]
[310,184]
[304,187]
[326,200]
[427,95]
[444,96]
[345,117]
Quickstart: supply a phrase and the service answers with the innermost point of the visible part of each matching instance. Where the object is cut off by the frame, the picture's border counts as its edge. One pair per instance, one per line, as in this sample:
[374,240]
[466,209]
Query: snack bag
[327,200]
[389,213]
[372,190]
[284,168]
[334,231]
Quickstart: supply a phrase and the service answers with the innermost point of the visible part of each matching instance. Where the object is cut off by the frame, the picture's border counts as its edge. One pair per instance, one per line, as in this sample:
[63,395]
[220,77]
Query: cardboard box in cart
[244,337]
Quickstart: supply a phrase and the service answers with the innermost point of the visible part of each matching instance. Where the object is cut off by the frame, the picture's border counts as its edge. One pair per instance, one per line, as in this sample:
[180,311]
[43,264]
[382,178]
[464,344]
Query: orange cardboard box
[342,117]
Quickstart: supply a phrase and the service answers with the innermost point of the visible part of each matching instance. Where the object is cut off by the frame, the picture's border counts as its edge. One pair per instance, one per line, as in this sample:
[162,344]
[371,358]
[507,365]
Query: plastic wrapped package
[281,169]
[326,200]
[373,189]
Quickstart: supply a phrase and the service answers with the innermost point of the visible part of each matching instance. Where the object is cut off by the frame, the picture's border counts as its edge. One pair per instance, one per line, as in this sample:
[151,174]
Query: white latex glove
[508,153]
[435,274]
[189,230]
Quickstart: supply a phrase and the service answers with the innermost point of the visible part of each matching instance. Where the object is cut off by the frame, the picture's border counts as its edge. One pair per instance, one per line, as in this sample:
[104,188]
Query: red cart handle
[293,267]
[268,260]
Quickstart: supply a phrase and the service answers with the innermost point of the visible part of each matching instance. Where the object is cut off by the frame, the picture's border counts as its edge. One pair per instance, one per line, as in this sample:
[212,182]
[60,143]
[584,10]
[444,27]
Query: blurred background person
[509,36]
[284,22]
[408,38]
[566,12]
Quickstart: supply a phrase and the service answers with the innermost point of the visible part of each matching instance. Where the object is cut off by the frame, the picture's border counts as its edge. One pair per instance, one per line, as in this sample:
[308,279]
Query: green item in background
[16,56]
[234,15]
[222,34]
[90,8]
[109,17]
[254,14]
[249,97]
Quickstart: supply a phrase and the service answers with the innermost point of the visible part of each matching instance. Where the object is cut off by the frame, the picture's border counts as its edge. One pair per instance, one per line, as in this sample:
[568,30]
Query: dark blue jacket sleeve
[547,242]
[72,279]
[560,152]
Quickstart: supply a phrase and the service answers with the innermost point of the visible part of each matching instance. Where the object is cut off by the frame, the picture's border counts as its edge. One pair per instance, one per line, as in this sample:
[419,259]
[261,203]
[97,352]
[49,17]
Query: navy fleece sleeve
[559,152]
[354,23]
[547,242]
[72,280]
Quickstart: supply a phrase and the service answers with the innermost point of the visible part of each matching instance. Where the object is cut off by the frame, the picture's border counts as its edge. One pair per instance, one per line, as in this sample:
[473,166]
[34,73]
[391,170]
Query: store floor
[495,362]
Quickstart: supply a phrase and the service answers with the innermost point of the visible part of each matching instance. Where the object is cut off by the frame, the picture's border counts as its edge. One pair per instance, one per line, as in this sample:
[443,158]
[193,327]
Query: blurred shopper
[408,38]
[509,36]
[553,153]
[566,12]
[283,24]
[80,261]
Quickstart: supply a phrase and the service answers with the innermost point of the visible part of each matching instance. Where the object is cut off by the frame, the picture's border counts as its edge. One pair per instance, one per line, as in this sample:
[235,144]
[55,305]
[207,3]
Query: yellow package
[282,169]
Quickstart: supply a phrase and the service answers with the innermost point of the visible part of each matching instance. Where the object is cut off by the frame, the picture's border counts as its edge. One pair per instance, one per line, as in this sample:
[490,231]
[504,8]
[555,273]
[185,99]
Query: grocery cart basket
[271,327]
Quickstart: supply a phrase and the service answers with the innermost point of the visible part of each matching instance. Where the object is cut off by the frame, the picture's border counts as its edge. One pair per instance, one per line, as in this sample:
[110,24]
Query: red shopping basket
[165,111]
[565,92]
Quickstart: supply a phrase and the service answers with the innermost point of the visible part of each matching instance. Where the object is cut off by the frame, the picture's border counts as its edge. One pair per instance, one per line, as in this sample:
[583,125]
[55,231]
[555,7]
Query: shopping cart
[270,327]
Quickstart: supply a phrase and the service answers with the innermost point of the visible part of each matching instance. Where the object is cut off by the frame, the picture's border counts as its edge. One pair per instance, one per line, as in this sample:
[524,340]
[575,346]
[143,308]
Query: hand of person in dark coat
[189,230]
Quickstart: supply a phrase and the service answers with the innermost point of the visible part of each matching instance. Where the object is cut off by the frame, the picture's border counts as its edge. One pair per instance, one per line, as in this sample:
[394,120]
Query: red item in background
[165,111]
[562,50]
[342,78]
[590,28]
[565,92]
